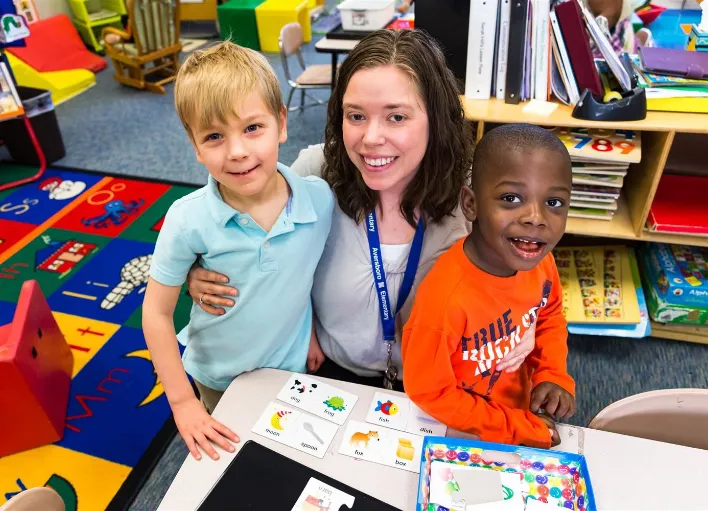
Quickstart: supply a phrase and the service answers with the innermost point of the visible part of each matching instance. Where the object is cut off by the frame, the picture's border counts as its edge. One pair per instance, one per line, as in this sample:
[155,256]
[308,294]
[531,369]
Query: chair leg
[290,98]
[302,98]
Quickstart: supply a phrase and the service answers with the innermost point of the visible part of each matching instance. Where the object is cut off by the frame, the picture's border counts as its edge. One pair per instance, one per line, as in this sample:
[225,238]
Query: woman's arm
[209,290]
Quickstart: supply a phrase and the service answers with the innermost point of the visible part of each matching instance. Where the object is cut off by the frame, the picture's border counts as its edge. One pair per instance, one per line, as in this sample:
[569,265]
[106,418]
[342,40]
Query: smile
[527,248]
[242,173]
[379,162]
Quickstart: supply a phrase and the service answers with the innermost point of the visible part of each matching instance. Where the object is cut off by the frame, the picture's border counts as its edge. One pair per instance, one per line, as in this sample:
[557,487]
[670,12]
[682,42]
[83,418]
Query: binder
[516,52]
[541,49]
[502,47]
[480,49]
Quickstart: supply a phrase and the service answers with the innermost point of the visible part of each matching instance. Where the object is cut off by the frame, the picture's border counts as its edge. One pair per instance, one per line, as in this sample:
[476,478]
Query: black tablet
[259,478]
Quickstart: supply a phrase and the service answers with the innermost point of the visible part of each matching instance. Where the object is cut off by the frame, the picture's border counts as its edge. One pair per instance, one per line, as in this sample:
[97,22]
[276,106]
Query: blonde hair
[213,81]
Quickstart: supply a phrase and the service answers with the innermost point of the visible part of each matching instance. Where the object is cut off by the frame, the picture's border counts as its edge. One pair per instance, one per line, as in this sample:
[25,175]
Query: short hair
[211,82]
[502,140]
[445,167]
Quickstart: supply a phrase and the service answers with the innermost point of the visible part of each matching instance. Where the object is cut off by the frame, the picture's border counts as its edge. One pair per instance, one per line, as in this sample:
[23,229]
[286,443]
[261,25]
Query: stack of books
[600,160]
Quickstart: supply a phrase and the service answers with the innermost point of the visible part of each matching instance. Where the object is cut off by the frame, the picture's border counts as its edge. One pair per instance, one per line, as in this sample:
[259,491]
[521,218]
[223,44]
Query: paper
[295,429]
[400,413]
[319,496]
[540,108]
[318,398]
[464,488]
[572,439]
[382,445]
[537,505]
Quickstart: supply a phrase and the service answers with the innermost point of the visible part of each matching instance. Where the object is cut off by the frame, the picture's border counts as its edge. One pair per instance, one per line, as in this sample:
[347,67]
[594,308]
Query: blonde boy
[255,221]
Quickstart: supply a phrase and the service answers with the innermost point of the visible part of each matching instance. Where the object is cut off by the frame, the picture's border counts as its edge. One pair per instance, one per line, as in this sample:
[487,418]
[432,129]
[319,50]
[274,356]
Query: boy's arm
[548,359]
[431,384]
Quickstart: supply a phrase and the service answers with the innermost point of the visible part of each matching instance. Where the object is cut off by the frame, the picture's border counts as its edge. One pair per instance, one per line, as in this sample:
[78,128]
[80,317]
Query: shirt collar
[299,209]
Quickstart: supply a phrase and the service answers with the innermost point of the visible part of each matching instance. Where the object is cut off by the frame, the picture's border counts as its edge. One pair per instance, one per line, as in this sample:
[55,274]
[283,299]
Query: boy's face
[242,155]
[520,206]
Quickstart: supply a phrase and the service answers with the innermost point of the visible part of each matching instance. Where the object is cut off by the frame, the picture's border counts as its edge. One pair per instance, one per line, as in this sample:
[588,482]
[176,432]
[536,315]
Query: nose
[237,149]
[374,134]
[533,215]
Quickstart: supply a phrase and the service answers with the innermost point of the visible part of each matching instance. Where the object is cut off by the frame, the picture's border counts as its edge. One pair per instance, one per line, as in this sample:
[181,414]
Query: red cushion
[55,45]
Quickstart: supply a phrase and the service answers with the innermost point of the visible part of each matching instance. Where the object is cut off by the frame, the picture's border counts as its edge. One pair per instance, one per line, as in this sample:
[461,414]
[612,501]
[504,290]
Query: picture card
[382,445]
[319,496]
[400,413]
[295,429]
[318,398]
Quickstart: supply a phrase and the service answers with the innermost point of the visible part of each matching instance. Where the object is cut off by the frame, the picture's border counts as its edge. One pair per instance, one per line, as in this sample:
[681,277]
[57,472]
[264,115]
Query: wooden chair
[34,499]
[147,55]
[318,76]
[676,416]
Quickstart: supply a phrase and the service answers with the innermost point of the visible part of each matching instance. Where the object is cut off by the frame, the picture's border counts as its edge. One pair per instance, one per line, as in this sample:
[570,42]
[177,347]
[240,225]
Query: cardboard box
[675,278]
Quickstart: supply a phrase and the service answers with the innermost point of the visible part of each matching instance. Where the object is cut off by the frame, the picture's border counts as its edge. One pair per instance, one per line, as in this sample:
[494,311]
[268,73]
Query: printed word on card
[400,413]
[295,429]
[318,398]
[382,445]
[319,496]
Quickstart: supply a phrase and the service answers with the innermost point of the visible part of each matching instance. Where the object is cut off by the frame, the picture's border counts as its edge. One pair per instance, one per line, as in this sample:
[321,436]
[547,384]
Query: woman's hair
[445,167]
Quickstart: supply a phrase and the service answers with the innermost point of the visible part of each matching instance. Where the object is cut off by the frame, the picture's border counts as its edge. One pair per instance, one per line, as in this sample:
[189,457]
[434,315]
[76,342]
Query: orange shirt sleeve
[548,359]
[431,384]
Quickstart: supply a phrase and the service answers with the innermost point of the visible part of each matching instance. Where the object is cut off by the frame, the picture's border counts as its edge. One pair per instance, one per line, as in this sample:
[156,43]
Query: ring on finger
[201,299]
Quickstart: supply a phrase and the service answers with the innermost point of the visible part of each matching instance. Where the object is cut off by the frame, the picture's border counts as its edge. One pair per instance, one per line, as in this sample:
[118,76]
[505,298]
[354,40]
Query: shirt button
[266,244]
[243,221]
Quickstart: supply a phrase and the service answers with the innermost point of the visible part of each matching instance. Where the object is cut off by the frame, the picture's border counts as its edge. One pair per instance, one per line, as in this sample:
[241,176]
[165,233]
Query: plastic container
[40,110]
[366,15]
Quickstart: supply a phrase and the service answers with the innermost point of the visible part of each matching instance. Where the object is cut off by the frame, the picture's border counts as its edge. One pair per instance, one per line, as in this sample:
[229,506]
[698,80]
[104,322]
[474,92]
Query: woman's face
[385,127]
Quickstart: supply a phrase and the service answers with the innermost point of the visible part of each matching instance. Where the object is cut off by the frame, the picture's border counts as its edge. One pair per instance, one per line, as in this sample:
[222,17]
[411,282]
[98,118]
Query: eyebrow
[392,106]
[508,182]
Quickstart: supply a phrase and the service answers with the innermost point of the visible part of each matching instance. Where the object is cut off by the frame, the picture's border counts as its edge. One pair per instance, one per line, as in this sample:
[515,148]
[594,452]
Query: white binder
[480,48]
[502,47]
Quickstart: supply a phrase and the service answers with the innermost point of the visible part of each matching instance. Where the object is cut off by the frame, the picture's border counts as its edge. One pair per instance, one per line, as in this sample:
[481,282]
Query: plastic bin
[40,110]
[366,15]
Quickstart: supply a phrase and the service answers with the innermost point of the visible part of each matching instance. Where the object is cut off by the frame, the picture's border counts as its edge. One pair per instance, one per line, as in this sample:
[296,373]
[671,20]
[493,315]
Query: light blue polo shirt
[270,324]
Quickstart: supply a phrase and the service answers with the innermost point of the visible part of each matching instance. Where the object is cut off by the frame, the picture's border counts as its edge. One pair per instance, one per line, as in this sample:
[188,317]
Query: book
[597,285]
[578,204]
[599,168]
[10,103]
[601,145]
[591,198]
[598,179]
[680,205]
[592,213]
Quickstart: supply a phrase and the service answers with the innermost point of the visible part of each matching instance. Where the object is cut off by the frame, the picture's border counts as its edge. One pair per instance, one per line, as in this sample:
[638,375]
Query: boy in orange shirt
[492,288]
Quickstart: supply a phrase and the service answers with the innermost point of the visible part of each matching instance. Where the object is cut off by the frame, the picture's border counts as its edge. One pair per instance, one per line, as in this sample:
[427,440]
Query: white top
[347,317]
[392,253]
[627,473]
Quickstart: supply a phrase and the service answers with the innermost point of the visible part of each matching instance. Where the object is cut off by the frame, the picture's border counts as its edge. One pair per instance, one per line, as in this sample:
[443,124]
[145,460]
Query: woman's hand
[315,355]
[513,360]
[208,290]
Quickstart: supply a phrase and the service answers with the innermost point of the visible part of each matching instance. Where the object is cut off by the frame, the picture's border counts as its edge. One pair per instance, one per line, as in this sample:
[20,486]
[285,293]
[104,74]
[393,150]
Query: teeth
[379,162]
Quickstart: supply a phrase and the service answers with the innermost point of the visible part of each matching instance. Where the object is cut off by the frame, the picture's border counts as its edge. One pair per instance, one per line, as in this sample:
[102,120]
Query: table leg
[334,66]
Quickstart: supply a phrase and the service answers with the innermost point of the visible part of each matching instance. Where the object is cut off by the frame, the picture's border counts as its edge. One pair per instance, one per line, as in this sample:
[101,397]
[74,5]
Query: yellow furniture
[92,16]
[198,11]
[63,85]
[146,57]
[273,15]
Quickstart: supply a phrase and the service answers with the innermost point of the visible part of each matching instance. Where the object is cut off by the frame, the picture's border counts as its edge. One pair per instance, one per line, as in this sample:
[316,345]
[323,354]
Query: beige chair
[35,499]
[318,76]
[676,416]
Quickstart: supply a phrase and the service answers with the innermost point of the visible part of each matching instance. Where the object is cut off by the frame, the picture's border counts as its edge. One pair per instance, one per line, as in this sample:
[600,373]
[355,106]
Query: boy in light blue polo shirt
[256,221]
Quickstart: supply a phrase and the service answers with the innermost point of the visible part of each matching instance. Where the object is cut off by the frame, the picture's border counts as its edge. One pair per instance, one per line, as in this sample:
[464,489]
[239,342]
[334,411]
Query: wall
[48,8]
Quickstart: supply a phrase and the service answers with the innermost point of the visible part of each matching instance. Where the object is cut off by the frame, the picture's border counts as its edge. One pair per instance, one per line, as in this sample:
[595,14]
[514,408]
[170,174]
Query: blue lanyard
[388,318]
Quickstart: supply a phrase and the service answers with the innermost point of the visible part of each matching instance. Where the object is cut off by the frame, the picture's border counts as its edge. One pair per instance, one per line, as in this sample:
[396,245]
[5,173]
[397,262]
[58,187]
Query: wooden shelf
[688,333]
[675,238]
[495,110]
[619,227]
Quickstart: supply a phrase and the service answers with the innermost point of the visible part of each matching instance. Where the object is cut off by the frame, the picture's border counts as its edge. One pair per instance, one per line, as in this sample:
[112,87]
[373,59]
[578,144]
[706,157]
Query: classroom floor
[118,129]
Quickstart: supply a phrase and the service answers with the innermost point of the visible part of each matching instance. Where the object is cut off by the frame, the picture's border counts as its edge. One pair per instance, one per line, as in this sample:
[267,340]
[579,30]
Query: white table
[627,473]
[335,47]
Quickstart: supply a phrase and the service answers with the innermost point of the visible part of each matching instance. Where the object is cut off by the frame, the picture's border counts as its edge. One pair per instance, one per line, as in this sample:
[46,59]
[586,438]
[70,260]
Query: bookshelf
[658,131]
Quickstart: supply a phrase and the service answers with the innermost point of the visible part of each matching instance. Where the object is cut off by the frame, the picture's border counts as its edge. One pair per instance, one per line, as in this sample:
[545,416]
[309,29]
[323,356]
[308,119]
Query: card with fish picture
[382,445]
[318,398]
[400,413]
[295,429]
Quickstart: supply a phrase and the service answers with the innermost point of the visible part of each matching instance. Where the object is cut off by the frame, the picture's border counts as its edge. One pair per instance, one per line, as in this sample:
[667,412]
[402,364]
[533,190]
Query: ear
[468,203]
[283,126]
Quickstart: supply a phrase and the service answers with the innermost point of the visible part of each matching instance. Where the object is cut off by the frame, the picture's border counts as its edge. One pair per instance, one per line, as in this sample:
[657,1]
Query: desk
[335,47]
[655,468]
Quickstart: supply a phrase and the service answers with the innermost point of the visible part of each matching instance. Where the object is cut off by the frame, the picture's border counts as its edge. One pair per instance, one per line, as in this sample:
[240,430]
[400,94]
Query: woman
[397,152]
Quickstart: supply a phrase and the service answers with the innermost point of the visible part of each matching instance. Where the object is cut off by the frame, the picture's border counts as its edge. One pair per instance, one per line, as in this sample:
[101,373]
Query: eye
[252,128]
[398,118]
[212,136]
[555,203]
[355,117]
[510,197]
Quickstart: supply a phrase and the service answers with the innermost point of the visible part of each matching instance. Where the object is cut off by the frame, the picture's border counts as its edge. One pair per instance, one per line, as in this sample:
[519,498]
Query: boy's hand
[315,355]
[555,436]
[197,427]
[554,400]
[513,360]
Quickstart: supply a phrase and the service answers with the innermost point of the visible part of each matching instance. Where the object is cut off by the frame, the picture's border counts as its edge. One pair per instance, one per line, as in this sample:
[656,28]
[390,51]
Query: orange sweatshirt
[463,322]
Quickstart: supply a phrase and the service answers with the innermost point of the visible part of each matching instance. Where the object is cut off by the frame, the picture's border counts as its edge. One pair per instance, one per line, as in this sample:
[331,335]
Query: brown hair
[445,167]
[213,81]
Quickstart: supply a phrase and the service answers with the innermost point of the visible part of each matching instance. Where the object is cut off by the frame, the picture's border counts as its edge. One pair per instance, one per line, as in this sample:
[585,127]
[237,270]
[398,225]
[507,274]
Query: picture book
[10,104]
[601,144]
[597,285]
[599,168]
[597,179]
[592,213]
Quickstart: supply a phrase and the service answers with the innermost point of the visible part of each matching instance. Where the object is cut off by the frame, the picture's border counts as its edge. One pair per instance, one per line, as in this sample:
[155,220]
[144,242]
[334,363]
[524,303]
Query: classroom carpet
[87,238]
